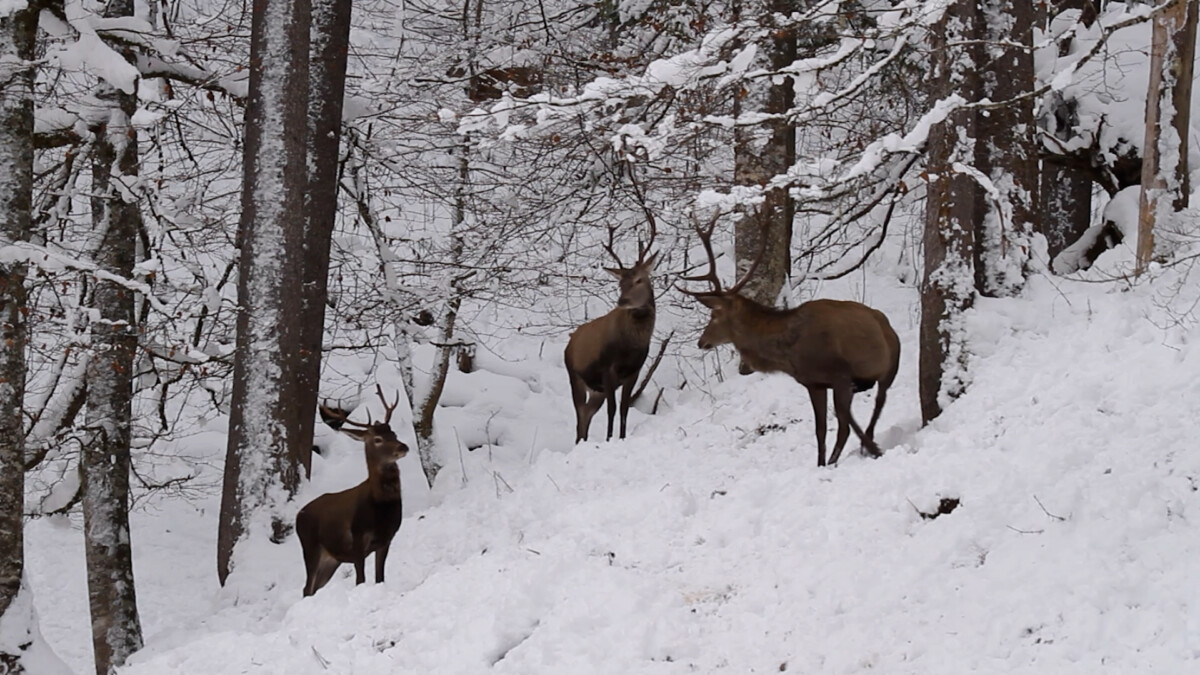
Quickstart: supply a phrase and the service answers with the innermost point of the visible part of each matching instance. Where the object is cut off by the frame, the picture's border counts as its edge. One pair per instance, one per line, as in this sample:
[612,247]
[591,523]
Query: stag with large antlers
[823,344]
[347,526]
[607,353]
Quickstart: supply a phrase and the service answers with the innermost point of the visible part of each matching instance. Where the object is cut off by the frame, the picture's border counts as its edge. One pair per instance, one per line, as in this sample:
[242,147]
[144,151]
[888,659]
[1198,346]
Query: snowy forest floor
[710,542]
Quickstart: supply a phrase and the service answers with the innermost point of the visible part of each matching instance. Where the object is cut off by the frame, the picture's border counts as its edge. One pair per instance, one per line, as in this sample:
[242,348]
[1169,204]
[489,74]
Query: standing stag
[606,353]
[823,344]
[347,526]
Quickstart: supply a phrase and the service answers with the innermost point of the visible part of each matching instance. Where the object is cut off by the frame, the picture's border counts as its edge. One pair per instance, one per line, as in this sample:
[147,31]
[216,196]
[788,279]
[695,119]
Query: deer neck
[640,317]
[383,481]
[760,334]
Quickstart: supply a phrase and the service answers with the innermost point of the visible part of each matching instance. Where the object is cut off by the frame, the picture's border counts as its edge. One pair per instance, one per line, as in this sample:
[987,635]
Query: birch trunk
[1168,110]
[263,456]
[116,219]
[20,639]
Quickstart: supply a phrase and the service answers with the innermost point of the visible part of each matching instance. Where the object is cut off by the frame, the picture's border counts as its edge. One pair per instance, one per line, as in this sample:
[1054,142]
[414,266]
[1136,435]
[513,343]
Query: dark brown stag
[823,344]
[347,526]
[607,353]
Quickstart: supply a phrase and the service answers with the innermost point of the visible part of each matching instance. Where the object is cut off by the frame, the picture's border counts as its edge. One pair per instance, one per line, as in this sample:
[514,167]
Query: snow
[709,541]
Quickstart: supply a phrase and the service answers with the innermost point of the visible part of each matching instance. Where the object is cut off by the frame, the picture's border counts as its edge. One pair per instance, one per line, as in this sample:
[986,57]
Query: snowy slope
[710,542]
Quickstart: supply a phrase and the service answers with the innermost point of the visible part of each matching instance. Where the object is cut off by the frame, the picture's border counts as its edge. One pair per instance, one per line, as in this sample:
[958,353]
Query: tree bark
[1006,151]
[760,156]
[19,633]
[263,456]
[116,219]
[1168,110]
[327,75]
[954,204]
[1066,190]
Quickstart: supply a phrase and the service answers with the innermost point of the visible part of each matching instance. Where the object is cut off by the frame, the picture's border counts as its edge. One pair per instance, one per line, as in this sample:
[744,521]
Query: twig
[662,348]
[1044,510]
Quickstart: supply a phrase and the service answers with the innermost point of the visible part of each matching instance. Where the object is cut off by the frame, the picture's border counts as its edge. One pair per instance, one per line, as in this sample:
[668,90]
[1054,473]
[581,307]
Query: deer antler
[387,409]
[612,230]
[705,233]
[762,250]
[641,198]
[342,417]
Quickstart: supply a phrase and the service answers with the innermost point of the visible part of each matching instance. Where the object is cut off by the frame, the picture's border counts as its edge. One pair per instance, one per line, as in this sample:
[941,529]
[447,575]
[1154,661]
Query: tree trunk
[954,204]
[1168,110]
[1066,190]
[1006,151]
[116,218]
[759,157]
[263,456]
[327,75]
[19,634]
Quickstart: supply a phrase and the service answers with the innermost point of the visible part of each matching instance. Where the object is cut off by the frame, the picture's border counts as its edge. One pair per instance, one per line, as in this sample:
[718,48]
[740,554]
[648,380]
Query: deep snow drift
[709,541]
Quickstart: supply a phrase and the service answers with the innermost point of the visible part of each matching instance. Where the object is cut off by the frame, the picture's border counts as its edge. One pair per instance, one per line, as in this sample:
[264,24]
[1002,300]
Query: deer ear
[711,301]
[616,272]
[649,263]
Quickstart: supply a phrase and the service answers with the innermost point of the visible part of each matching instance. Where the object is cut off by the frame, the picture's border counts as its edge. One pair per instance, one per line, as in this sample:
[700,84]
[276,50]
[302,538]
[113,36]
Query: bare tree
[762,154]
[263,459]
[1066,187]
[19,633]
[116,220]
[1168,110]
[953,202]
[330,46]
[1006,151]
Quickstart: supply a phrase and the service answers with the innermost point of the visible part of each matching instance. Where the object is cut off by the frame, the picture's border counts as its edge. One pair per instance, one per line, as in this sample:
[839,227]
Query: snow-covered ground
[710,542]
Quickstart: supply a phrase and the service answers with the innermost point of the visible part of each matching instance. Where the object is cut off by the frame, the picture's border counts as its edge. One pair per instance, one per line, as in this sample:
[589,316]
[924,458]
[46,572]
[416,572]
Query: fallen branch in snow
[1046,511]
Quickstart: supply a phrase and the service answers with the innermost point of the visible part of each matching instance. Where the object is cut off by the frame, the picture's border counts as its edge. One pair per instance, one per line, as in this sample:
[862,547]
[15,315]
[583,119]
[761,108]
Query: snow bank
[710,542]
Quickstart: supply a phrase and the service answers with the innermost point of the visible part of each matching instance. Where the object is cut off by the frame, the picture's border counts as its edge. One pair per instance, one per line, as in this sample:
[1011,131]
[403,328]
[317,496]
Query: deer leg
[579,396]
[626,393]
[380,557]
[869,441]
[306,531]
[610,395]
[842,395]
[820,405]
[594,402]
[360,561]
[325,567]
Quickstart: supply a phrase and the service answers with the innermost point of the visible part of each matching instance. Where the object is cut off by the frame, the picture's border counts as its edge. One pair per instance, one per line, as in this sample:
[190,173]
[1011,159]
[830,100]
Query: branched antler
[705,233]
[342,417]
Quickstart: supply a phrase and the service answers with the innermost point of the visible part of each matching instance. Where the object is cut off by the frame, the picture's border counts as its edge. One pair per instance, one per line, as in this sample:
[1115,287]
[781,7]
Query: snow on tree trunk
[263,456]
[1168,109]
[22,649]
[759,156]
[327,75]
[1006,149]
[954,204]
[1066,190]
[116,219]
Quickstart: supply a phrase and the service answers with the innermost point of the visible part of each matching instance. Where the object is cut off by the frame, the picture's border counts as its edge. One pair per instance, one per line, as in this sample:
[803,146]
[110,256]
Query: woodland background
[217,214]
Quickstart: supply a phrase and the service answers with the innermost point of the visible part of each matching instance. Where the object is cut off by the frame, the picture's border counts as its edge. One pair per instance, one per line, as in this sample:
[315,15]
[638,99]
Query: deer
[823,344]
[607,353]
[347,526]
